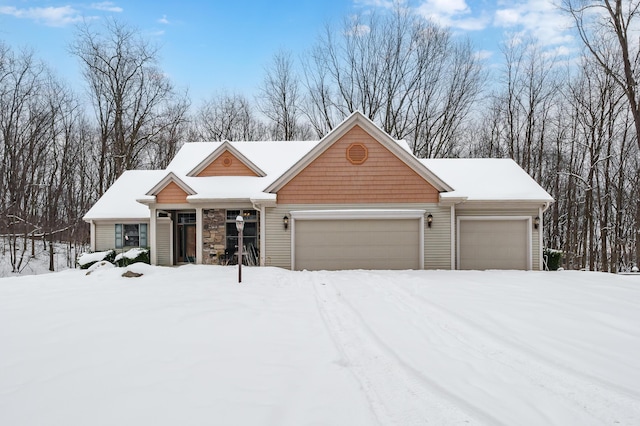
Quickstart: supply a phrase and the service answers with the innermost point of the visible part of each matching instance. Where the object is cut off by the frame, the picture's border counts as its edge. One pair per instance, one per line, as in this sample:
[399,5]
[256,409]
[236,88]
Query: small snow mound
[141,268]
[103,264]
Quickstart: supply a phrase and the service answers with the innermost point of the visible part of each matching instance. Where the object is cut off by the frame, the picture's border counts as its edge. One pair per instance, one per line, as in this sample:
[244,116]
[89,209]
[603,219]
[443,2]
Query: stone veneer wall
[213,235]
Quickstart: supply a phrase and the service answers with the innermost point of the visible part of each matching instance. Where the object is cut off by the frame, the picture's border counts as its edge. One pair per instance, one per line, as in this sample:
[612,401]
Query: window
[131,235]
[249,235]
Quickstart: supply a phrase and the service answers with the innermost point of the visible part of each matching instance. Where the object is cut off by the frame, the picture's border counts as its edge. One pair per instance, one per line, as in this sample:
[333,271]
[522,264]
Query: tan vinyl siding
[437,245]
[380,178]
[524,211]
[106,233]
[171,194]
[226,164]
[163,241]
[105,236]
[437,239]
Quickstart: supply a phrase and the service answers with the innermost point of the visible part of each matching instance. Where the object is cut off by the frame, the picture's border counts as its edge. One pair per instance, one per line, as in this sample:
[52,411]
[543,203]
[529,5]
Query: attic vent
[357,153]
[226,161]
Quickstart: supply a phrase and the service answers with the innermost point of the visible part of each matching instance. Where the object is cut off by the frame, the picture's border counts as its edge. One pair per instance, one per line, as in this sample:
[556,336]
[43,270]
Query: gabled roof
[487,179]
[277,162]
[170,177]
[357,118]
[119,201]
[226,146]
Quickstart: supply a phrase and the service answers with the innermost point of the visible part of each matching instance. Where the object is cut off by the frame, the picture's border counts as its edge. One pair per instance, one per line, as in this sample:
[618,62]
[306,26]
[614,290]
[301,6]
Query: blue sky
[224,44]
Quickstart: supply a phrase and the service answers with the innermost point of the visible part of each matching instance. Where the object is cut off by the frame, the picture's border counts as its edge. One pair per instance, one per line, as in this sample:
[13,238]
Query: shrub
[132,256]
[553,258]
[85,260]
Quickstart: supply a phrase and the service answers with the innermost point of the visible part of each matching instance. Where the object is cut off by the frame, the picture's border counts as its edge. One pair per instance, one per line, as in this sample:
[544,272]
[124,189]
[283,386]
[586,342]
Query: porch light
[240,228]
[536,222]
[285,221]
[429,220]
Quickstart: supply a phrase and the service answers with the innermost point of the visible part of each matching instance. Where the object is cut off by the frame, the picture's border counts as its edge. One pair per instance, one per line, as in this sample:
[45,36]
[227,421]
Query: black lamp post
[240,228]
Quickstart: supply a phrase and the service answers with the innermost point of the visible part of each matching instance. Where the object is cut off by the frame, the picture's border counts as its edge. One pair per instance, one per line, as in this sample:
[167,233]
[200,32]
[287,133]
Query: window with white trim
[131,235]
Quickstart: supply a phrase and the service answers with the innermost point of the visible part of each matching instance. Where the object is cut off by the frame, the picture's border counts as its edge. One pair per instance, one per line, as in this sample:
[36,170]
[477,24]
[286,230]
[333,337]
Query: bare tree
[130,94]
[279,98]
[403,72]
[228,116]
[606,28]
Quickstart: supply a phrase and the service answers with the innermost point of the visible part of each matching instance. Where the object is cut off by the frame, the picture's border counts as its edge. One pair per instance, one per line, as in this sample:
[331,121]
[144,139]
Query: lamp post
[240,228]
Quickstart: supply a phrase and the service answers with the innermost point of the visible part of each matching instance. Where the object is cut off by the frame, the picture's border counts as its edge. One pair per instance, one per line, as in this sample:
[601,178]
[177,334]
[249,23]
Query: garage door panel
[494,244]
[357,244]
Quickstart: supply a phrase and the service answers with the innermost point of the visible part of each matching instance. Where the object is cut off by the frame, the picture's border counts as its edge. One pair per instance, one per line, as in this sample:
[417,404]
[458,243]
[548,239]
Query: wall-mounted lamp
[285,221]
[536,222]
[429,220]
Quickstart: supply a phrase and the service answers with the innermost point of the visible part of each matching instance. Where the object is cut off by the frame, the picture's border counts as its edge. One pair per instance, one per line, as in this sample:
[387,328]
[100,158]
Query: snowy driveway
[190,346]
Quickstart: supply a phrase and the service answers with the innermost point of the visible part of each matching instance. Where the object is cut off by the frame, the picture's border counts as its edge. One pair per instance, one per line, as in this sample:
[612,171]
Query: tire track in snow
[397,395]
[604,404]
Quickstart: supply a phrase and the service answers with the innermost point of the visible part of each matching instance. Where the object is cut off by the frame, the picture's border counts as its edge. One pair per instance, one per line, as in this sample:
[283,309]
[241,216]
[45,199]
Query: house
[355,199]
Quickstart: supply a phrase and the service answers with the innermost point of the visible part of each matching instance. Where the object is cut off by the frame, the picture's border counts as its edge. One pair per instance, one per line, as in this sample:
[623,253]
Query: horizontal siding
[531,212]
[105,236]
[332,178]
[437,239]
[163,242]
[437,247]
[106,233]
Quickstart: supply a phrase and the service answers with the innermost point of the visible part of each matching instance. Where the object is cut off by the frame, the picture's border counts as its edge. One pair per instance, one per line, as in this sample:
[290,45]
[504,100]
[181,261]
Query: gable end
[226,164]
[357,168]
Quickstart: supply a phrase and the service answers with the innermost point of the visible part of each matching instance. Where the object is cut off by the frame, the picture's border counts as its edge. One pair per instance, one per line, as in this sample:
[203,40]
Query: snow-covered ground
[39,263]
[191,346]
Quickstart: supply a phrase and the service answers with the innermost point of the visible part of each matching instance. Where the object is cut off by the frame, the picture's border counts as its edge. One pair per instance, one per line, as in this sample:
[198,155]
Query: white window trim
[125,247]
[356,215]
[497,218]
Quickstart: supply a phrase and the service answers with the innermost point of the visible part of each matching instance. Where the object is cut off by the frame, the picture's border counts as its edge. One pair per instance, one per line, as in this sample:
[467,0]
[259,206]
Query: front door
[186,241]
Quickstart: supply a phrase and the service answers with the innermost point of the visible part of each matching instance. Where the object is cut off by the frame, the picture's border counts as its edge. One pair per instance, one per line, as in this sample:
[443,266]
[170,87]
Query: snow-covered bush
[135,255]
[553,258]
[85,260]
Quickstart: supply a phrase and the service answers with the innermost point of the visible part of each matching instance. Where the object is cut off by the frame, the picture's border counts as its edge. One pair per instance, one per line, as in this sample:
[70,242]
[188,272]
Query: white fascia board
[357,214]
[147,200]
[202,200]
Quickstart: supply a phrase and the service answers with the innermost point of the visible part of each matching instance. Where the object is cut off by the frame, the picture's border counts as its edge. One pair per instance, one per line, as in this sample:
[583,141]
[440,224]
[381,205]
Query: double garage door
[397,243]
[494,243]
[358,244]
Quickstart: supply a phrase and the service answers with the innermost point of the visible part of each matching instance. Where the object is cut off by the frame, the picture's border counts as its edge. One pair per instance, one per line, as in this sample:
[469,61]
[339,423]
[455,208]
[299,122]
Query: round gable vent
[357,153]
[226,161]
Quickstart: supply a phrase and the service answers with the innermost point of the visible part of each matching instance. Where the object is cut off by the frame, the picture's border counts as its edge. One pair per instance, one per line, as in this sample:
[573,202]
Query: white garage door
[494,244]
[357,244]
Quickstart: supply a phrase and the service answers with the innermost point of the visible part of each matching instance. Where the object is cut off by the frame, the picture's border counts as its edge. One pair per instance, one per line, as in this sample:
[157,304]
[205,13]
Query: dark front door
[186,237]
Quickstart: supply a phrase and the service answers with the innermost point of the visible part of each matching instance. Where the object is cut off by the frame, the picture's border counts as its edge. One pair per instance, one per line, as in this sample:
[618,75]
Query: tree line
[572,125]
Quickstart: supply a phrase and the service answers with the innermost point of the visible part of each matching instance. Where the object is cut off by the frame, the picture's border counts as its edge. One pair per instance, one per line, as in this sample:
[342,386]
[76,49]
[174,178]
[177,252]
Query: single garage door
[357,244]
[494,244]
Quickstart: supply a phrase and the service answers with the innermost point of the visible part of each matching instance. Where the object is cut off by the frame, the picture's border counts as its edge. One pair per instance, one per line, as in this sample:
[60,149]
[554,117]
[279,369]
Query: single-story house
[356,199]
